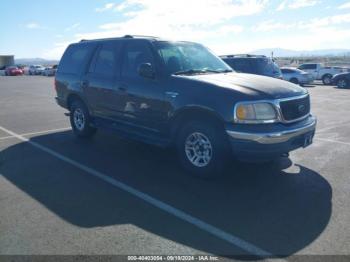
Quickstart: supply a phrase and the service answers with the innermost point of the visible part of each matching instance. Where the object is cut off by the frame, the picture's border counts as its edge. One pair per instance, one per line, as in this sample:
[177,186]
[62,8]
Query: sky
[42,28]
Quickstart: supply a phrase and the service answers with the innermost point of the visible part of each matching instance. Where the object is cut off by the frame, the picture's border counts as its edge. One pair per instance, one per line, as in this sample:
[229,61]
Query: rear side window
[287,71]
[240,65]
[74,59]
[106,60]
[307,66]
[266,66]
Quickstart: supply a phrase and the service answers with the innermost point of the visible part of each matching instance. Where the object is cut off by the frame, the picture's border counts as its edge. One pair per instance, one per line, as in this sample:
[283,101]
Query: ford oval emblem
[301,108]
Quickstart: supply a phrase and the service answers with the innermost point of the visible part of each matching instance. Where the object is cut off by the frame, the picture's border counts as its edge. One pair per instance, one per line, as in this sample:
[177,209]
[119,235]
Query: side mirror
[146,70]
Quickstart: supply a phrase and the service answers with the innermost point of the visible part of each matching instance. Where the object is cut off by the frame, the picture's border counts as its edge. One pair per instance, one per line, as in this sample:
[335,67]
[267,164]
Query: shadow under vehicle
[267,205]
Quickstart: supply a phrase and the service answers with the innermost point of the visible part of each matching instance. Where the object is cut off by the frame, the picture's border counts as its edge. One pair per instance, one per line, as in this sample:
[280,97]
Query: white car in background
[321,72]
[36,70]
[296,76]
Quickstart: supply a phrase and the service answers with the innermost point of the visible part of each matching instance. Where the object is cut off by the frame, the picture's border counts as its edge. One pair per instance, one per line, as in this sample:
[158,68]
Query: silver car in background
[36,69]
[50,71]
[296,76]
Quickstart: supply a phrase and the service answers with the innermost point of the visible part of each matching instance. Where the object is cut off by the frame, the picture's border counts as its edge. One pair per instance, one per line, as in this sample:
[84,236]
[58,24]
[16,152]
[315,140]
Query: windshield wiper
[200,71]
[217,71]
[224,71]
[190,72]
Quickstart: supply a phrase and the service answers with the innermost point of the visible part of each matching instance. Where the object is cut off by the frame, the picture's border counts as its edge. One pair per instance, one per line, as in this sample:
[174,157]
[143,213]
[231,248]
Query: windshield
[189,58]
[267,66]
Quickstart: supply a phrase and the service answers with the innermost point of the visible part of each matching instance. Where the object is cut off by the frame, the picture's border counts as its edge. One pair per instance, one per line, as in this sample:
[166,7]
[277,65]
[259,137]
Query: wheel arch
[326,74]
[74,97]
[191,113]
[294,80]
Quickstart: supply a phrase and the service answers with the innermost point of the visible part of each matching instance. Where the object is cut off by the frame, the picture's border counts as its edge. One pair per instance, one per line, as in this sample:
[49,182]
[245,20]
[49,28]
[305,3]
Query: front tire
[327,79]
[342,83]
[202,149]
[80,120]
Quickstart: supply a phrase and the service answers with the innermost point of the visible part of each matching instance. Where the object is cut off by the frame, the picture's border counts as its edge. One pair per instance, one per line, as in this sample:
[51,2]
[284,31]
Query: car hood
[341,74]
[254,85]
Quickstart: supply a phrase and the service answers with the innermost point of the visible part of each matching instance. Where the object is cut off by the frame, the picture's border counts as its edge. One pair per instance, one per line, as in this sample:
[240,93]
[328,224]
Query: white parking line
[334,125]
[38,133]
[242,244]
[332,141]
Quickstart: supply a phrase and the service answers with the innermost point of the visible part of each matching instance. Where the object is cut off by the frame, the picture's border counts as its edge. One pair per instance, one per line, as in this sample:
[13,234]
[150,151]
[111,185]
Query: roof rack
[125,36]
[135,36]
[241,55]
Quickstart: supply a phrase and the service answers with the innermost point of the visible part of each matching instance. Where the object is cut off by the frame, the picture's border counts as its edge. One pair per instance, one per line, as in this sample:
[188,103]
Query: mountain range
[280,52]
[35,61]
[277,52]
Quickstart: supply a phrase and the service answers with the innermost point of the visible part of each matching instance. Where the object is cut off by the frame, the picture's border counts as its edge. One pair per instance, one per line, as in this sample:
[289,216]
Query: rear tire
[202,149]
[80,120]
[327,79]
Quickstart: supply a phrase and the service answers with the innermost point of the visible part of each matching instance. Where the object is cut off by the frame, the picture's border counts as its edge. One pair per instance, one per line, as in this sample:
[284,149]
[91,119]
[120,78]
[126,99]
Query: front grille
[296,108]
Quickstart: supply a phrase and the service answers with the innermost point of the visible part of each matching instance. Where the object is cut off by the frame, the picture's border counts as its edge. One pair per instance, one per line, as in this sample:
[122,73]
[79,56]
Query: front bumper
[334,81]
[61,102]
[271,141]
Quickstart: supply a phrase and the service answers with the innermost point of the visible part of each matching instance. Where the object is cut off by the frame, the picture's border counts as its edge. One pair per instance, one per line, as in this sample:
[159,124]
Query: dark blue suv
[253,64]
[180,94]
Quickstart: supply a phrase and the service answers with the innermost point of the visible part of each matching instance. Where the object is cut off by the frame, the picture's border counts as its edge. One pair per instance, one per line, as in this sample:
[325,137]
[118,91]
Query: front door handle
[172,94]
[122,88]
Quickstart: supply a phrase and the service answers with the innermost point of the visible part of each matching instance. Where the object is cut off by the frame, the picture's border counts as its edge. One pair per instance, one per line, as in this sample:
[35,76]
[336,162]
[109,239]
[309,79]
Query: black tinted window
[267,67]
[307,66]
[135,54]
[240,65]
[74,59]
[286,71]
[106,60]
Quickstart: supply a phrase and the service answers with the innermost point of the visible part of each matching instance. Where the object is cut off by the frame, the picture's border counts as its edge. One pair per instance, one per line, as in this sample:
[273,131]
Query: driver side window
[135,54]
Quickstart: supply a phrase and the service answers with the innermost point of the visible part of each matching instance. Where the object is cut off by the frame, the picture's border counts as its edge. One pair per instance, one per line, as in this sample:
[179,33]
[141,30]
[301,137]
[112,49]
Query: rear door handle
[84,83]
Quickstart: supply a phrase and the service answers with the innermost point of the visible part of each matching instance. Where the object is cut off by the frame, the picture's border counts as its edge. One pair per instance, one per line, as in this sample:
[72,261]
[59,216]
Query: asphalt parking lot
[60,195]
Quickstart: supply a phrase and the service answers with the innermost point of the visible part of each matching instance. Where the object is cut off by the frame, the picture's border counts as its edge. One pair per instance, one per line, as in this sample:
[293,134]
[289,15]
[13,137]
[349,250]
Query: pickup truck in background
[321,72]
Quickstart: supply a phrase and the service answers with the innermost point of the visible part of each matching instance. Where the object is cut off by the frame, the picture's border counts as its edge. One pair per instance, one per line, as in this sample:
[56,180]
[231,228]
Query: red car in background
[13,71]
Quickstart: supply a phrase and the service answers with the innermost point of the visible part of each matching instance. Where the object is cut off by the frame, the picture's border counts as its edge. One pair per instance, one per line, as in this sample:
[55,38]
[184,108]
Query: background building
[6,60]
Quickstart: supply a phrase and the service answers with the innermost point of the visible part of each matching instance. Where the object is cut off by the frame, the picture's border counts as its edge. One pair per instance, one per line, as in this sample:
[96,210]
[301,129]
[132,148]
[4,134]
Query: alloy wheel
[79,119]
[342,83]
[198,149]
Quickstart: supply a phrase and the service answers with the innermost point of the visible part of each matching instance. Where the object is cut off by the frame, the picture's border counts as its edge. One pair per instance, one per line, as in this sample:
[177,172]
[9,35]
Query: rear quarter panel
[70,83]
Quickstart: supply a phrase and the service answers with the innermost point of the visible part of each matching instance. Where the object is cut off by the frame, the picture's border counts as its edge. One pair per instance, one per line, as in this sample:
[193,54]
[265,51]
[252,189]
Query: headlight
[255,112]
